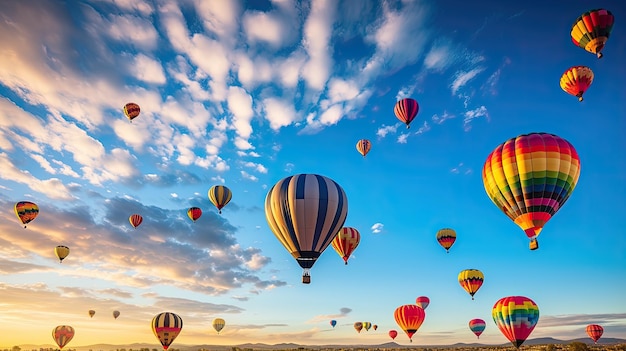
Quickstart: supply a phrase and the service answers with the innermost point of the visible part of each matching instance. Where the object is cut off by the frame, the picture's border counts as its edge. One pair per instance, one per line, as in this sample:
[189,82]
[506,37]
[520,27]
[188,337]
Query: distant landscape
[548,344]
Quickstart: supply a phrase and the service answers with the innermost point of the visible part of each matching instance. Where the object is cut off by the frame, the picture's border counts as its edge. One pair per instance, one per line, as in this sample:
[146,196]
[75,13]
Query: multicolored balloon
[26,211]
[595,332]
[194,213]
[346,242]
[367,326]
[471,280]
[592,29]
[446,238]
[166,326]
[477,326]
[131,110]
[530,178]
[116,314]
[219,324]
[220,196]
[62,335]
[409,318]
[92,313]
[406,110]
[393,334]
[516,317]
[422,302]
[363,146]
[135,220]
[305,213]
[62,252]
[358,326]
[333,323]
[576,80]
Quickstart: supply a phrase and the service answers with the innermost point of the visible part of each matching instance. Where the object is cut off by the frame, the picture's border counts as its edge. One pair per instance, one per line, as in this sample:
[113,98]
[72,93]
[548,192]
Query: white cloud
[377,228]
[402,138]
[246,175]
[240,105]
[262,26]
[444,117]
[279,113]
[316,41]
[463,77]
[132,29]
[342,90]
[140,6]
[147,69]
[473,114]
[384,130]
[423,128]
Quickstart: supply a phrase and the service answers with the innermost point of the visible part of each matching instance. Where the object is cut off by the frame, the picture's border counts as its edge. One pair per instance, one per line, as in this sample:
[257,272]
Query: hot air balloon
[220,196]
[446,238]
[576,80]
[62,335]
[218,324]
[26,211]
[61,252]
[422,302]
[393,334]
[592,29]
[194,213]
[305,213]
[91,313]
[358,326]
[135,220]
[406,110]
[516,317]
[374,326]
[367,326]
[333,323]
[477,326]
[363,146]
[116,314]
[409,318]
[471,280]
[595,332]
[166,326]
[346,242]
[530,178]
[131,110]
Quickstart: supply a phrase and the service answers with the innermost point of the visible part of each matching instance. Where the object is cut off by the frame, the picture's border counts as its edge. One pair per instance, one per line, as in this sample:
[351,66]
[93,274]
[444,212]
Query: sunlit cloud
[377,228]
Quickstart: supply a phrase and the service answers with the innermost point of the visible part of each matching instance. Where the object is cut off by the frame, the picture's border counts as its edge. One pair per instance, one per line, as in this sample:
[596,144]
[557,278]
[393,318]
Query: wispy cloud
[471,115]
[463,77]
[384,130]
[343,312]
[444,117]
[377,228]
[492,82]
[461,169]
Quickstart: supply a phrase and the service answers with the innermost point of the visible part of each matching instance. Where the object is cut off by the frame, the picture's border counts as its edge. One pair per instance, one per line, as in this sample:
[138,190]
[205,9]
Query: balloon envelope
[477,326]
[135,220]
[422,302]
[409,318]
[446,237]
[594,331]
[166,326]
[393,334]
[406,110]
[576,80]
[516,317]
[363,146]
[358,326]
[62,335]
[592,29]
[218,324]
[92,313]
[333,323]
[194,213]
[471,280]
[220,196]
[26,211]
[116,314]
[62,252]
[131,110]
[346,242]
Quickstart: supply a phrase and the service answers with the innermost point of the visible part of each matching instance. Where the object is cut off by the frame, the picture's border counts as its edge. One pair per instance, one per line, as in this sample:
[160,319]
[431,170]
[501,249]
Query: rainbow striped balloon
[516,317]
[477,326]
[530,178]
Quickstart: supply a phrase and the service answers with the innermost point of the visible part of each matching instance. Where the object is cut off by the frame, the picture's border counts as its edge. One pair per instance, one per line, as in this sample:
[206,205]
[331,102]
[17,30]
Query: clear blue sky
[246,93]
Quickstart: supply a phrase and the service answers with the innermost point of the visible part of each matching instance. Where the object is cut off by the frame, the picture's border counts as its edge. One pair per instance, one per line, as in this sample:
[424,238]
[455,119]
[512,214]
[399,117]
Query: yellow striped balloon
[218,324]
[62,335]
[471,280]
[166,326]
[305,213]
[220,196]
[446,238]
[576,80]
[346,242]
[363,146]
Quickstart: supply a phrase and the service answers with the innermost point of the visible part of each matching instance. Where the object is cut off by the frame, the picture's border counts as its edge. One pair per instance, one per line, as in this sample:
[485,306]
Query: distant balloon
[305,213]
[446,238]
[194,213]
[358,326]
[422,302]
[91,313]
[166,326]
[576,80]
[409,318]
[61,252]
[471,280]
[116,314]
[530,178]
[363,146]
[406,110]
[218,324]
[131,110]
[333,323]
[393,334]
[135,220]
[346,242]
[220,196]
[591,30]
[374,326]
[595,332]
[477,326]
[62,335]
[516,317]
[367,326]
[26,211]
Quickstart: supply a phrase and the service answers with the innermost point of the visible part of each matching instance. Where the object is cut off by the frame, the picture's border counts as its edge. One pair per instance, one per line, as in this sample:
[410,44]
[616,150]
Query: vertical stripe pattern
[471,280]
[135,220]
[220,196]
[62,335]
[516,317]
[406,110]
[166,326]
[409,318]
[346,242]
[576,80]
[592,29]
[363,146]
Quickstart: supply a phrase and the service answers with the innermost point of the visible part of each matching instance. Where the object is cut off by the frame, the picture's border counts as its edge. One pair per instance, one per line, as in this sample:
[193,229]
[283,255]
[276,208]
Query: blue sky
[246,93]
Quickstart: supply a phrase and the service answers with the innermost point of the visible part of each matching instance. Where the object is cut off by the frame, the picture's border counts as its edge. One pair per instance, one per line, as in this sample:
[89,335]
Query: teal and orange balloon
[446,238]
[62,335]
[595,331]
[166,326]
[305,212]
[194,213]
[516,317]
[26,211]
[220,196]
[530,177]
[477,326]
[409,318]
[346,242]
[422,302]
[471,280]
[363,146]
[576,80]
[406,110]
[592,29]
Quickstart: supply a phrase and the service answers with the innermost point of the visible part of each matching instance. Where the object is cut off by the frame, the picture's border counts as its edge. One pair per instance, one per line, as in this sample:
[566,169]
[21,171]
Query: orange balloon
[409,318]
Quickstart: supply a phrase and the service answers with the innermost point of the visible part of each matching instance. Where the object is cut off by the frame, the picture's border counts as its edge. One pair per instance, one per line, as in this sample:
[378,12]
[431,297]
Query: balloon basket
[306,279]
[534,245]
